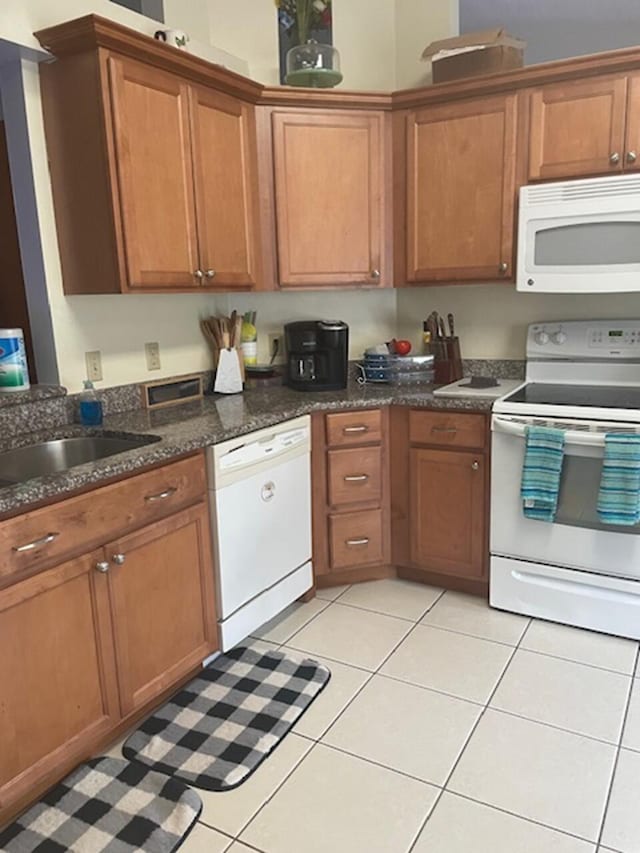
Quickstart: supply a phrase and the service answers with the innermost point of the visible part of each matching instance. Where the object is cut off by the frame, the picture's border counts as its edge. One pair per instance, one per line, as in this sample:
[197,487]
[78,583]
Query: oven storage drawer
[585,599]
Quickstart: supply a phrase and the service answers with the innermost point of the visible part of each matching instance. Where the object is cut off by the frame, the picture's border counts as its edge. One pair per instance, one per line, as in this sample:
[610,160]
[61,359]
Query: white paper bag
[228,376]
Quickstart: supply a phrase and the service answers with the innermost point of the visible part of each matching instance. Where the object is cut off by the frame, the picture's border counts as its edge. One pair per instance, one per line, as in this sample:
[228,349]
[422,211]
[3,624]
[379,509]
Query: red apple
[402,347]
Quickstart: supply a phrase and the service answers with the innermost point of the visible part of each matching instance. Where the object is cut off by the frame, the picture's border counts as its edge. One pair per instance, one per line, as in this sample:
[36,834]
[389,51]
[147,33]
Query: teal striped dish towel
[619,495]
[541,472]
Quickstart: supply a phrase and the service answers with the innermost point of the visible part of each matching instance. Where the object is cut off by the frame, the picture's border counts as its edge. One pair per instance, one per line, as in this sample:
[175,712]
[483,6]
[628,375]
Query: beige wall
[419,22]
[492,319]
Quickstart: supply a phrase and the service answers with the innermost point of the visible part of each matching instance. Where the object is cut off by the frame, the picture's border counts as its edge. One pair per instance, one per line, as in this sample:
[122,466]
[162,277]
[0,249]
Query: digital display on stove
[617,334]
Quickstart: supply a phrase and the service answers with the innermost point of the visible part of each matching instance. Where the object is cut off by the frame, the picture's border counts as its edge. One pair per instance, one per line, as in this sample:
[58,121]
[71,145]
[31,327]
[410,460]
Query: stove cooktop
[592,396]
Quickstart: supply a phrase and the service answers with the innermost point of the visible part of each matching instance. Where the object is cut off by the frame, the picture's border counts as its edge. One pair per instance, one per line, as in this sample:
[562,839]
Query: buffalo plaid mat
[106,806]
[221,726]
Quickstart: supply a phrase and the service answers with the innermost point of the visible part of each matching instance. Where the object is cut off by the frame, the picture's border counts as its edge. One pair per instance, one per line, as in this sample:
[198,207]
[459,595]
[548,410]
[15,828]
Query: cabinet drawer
[346,428]
[447,429]
[355,538]
[354,475]
[44,536]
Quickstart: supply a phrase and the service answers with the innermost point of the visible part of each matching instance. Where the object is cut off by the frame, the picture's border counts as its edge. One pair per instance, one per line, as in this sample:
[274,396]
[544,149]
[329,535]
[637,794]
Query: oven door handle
[584,439]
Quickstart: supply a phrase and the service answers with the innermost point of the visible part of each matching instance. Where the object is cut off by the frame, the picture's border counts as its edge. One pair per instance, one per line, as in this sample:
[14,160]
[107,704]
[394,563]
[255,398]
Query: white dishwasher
[261,521]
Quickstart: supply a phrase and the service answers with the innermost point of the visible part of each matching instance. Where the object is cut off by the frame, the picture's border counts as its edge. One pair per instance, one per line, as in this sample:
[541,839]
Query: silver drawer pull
[363,541]
[444,429]
[356,478]
[37,543]
[161,496]
[359,428]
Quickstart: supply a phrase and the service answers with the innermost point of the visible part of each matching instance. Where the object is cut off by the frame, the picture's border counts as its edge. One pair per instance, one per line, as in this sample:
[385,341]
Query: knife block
[448,361]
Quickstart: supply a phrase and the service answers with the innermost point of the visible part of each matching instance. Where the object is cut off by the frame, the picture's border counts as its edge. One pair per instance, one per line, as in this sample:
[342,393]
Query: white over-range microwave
[580,236]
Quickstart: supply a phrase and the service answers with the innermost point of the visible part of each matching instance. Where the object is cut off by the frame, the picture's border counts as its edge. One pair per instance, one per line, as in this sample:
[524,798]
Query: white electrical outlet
[152,352]
[93,361]
[276,342]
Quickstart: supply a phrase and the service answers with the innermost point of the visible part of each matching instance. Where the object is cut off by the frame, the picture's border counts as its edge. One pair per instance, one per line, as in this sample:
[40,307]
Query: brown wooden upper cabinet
[330,198]
[460,190]
[154,189]
[585,127]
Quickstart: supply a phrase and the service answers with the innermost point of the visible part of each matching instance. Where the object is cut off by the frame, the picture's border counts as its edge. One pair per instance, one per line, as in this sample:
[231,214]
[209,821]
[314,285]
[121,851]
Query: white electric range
[584,378]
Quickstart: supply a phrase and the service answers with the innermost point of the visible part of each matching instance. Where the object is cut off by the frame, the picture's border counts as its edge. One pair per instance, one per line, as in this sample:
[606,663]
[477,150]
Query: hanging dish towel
[541,472]
[619,495]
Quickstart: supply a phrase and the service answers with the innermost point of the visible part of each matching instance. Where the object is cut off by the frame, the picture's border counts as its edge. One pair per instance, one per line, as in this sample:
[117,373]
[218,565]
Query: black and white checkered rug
[220,727]
[107,806]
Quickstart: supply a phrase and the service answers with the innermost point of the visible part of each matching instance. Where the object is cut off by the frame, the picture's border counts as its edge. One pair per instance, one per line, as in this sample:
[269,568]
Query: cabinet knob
[118,559]
[475,465]
[375,274]
[614,158]
[198,274]
[631,156]
[210,273]
[102,566]
[504,266]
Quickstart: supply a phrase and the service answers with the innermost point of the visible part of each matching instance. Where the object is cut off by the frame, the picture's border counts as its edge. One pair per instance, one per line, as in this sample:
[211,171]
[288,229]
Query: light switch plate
[93,361]
[152,353]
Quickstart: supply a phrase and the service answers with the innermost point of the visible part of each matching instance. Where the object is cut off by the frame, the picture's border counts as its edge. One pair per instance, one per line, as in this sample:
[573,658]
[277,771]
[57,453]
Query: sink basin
[48,457]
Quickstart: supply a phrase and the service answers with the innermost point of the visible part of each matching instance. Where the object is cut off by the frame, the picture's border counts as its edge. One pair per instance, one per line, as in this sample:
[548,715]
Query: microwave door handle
[584,439]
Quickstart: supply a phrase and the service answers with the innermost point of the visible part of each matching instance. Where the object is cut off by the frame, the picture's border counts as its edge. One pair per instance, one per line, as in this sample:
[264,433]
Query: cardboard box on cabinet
[474,54]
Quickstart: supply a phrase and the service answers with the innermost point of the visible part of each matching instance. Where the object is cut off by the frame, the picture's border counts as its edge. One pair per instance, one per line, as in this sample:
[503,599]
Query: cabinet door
[577,128]
[155,176]
[58,692]
[225,162]
[448,507]
[461,190]
[162,601]
[632,143]
[329,179]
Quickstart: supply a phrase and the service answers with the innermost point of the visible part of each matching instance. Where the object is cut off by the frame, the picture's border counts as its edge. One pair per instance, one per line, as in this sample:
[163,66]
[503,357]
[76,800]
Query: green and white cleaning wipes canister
[14,375]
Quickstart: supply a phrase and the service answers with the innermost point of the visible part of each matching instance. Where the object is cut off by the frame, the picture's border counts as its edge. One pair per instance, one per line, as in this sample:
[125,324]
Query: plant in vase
[309,63]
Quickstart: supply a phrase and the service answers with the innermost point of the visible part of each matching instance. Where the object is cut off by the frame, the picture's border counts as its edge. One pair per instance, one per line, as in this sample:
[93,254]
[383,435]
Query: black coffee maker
[317,355]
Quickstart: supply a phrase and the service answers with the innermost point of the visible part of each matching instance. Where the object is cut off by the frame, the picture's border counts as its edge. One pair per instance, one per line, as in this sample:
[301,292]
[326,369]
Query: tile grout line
[467,741]
[317,742]
[616,759]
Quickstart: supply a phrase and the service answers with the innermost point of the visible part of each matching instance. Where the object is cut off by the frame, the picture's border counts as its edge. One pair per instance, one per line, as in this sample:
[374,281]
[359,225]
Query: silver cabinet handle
[161,496]
[118,559]
[356,478]
[198,274]
[359,428]
[375,273]
[210,273]
[363,541]
[37,543]
[631,156]
[614,158]
[475,465]
[102,566]
[504,266]
[444,429]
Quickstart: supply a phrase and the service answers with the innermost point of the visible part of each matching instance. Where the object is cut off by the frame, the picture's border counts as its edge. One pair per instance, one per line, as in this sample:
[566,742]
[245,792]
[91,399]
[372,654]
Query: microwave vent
[618,187]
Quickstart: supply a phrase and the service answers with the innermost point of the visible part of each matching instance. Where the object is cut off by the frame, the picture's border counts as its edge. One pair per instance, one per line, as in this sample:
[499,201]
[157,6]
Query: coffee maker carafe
[317,355]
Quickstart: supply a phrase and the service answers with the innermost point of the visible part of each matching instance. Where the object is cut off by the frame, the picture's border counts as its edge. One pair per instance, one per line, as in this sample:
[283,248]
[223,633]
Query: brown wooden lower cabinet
[58,691]
[162,603]
[447,511]
[89,642]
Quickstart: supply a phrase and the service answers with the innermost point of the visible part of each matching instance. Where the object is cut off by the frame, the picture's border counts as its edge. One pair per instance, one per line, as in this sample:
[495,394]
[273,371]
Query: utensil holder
[448,361]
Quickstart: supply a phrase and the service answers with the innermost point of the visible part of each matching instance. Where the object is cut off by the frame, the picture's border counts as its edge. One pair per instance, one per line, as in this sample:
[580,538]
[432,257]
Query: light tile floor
[446,727]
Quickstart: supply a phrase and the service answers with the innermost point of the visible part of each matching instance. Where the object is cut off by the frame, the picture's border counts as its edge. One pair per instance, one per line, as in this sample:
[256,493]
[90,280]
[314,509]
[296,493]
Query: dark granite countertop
[190,427]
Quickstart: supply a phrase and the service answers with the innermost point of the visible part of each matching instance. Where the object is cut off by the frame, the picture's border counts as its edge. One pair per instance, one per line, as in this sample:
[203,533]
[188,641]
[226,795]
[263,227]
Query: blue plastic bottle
[90,406]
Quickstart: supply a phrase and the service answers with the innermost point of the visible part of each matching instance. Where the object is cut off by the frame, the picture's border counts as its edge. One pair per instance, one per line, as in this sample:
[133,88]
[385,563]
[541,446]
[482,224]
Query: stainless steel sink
[49,457]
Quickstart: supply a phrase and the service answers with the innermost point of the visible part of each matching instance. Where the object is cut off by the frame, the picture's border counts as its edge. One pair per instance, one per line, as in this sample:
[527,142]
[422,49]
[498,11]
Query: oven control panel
[580,339]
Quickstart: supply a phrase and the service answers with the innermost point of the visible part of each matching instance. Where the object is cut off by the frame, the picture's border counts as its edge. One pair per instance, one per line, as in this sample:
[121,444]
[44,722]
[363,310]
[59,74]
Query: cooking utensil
[441,328]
